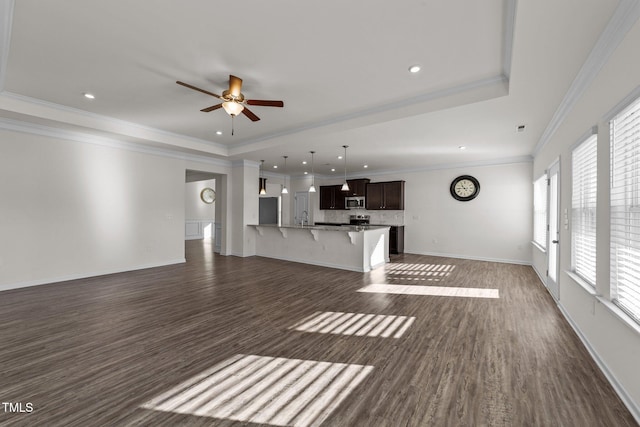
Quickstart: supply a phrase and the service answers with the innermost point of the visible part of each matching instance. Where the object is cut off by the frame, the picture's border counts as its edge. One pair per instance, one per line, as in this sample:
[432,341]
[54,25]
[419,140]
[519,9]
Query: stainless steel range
[359,219]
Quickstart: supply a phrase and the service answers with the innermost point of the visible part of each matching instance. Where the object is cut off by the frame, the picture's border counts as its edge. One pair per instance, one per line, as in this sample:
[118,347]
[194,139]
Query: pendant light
[263,181]
[312,189]
[345,186]
[284,188]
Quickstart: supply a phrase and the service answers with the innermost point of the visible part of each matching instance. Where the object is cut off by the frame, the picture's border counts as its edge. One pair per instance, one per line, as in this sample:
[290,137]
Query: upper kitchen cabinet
[357,187]
[385,195]
[332,197]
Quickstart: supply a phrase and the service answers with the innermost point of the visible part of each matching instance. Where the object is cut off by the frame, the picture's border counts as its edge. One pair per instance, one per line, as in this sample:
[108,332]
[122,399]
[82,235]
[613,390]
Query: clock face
[208,195]
[465,188]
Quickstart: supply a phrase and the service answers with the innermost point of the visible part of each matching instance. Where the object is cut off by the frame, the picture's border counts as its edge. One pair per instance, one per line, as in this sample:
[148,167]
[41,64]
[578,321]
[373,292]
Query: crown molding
[6,20]
[52,132]
[507,43]
[245,163]
[624,17]
[483,89]
[51,111]
[442,166]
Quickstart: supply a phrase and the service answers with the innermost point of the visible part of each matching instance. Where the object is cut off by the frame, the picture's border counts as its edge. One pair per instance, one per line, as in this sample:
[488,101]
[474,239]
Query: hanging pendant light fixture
[345,186]
[284,188]
[263,181]
[312,189]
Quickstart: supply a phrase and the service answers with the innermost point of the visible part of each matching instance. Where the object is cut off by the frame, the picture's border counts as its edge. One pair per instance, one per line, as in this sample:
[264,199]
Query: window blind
[583,209]
[625,210]
[540,211]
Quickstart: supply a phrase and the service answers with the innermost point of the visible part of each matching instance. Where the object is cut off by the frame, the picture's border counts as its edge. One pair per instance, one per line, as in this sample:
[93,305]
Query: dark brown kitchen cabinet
[332,197]
[357,187]
[396,239]
[385,195]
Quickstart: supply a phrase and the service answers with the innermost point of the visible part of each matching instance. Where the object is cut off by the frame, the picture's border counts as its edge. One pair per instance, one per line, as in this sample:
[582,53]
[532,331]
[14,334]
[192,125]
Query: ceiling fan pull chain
[231,125]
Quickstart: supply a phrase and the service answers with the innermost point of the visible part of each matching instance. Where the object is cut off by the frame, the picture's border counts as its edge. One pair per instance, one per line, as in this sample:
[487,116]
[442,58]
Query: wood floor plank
[93,352]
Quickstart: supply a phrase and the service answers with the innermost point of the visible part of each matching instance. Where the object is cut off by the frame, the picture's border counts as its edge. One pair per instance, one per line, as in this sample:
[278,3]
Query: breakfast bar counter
[355,248]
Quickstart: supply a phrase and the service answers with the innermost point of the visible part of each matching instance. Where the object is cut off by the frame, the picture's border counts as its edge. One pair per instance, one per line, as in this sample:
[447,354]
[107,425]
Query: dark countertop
[337,224]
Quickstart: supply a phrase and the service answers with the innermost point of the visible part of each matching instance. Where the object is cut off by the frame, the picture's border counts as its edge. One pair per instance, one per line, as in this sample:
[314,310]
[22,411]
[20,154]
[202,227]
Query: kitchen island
[348,247]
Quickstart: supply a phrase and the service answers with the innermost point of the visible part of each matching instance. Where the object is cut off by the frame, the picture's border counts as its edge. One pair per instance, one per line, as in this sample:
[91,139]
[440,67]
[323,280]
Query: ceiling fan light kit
[233,100]
[232,108]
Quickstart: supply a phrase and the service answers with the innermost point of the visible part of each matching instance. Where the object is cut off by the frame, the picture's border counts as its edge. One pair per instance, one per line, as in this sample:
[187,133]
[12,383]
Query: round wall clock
[464,188]
[208,195]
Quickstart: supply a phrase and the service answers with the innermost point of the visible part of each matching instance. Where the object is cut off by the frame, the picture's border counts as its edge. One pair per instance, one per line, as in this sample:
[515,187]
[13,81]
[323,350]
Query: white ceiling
[341,69]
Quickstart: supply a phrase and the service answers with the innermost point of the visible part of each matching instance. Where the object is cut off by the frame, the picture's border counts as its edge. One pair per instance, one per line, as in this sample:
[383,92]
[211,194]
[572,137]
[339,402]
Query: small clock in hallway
[208,195]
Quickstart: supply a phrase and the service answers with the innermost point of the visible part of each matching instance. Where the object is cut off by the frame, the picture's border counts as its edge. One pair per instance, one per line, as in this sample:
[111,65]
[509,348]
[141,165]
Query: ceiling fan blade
[265,103]
[213,107]
[235,85]
[197,88]
[249,114]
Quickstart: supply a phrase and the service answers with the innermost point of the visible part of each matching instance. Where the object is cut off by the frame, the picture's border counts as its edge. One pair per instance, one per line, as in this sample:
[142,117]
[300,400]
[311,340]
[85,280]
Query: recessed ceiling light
[218,132]
[304,162]
[333,169]
[305,172]
[275,166]
[339,157]
[414,68]
[366,166]
[462,147]
[89,95]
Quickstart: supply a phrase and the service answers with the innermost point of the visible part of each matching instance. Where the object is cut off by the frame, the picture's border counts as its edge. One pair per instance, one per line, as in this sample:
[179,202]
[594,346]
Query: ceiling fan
[233,101]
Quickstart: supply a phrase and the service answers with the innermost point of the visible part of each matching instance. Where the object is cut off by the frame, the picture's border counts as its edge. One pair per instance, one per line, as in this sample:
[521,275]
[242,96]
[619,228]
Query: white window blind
[540,211]
[625,210]
[583,209]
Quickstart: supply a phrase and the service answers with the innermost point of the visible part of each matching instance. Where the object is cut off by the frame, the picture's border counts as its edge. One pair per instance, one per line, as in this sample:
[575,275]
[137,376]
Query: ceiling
[341,69]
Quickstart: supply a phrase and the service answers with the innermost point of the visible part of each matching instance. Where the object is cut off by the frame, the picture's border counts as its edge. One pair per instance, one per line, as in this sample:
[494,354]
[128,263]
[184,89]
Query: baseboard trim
[59,279]
[538,273]
[619,389]
[471,257]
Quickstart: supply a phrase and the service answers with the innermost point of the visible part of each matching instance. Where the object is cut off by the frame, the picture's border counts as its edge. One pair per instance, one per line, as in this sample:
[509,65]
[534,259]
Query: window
[625,210]
[583,209]
[540,211]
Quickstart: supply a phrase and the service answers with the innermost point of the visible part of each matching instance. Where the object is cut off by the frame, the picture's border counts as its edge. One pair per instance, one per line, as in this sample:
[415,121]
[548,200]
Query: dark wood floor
[95,352]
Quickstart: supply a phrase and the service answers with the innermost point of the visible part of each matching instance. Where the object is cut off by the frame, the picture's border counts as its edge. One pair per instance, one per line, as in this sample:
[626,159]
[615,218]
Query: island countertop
[349,247]
[325,227]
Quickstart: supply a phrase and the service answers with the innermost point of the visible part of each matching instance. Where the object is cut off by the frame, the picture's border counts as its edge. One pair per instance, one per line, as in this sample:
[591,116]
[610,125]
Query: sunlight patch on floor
[357,324]
[432,291]
[430,272]
[261,389]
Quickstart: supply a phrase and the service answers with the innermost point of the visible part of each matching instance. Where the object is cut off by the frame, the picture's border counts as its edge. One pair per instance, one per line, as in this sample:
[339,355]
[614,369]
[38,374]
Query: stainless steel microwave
[354,202]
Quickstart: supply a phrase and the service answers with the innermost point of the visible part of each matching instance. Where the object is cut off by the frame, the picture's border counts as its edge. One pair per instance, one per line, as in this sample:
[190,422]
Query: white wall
[614,342]
[199,216]
[244,201]
[494,226]
[195,208]
[70,209]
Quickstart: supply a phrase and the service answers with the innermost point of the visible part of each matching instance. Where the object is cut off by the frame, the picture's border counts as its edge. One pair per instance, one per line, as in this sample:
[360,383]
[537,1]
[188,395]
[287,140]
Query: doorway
[553,243]
[202,208]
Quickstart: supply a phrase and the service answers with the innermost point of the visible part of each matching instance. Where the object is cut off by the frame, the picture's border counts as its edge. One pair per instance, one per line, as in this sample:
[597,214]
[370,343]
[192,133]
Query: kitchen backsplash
[377,217]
